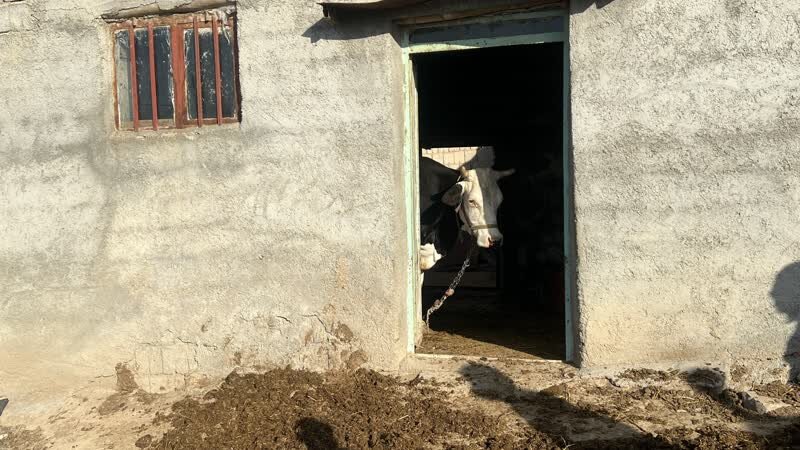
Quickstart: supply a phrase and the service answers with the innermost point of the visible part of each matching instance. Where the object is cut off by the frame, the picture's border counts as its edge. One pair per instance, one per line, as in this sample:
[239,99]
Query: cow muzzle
[495,242]
[489,238]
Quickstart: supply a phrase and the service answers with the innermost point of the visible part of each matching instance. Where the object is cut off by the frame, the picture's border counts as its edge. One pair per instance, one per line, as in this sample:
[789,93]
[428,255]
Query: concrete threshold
[486,358]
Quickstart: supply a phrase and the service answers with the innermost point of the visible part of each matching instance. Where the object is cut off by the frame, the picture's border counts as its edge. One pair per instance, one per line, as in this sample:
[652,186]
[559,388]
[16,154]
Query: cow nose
[495,242]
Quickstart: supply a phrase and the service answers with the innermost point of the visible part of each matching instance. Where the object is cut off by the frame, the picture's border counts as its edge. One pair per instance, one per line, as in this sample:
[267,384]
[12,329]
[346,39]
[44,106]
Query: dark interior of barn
[511,303]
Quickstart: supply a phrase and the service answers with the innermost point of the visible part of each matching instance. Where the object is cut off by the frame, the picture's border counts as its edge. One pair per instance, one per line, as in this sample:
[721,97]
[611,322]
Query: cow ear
[452,196]
[503,173]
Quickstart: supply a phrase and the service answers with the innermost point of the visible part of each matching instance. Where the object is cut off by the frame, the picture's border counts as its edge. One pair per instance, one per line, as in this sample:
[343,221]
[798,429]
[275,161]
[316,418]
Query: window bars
[176,72]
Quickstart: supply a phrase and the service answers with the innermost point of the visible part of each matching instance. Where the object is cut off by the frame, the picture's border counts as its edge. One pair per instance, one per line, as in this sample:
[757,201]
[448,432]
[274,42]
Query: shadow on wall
[579,6]
[351,26]
[786,295]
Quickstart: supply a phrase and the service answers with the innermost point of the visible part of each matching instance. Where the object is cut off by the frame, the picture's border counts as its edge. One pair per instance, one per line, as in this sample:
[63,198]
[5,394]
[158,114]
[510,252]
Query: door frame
[411,156]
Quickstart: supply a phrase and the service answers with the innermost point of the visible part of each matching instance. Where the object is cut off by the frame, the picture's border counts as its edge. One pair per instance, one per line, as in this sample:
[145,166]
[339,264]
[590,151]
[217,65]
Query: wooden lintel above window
[156,8]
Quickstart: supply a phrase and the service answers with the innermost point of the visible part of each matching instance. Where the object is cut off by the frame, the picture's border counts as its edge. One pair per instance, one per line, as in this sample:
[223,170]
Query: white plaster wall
[184,254]
[686,131]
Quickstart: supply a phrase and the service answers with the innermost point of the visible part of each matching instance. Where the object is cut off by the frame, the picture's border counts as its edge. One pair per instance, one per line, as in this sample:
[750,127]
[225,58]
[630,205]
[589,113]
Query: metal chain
[452,288]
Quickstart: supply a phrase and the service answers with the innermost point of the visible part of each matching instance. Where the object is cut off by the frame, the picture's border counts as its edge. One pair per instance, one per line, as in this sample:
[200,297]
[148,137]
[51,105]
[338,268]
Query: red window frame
[178,24]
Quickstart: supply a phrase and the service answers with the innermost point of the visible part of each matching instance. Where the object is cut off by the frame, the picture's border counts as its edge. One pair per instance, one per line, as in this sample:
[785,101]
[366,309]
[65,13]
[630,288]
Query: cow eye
[473,203]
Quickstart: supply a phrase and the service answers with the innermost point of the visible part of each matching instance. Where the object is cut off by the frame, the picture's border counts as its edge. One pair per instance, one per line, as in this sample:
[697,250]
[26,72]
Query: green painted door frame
[411,149]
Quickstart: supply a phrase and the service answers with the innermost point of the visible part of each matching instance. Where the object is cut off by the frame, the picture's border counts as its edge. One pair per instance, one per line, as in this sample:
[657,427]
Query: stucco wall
[280,241]
[686,132]
[187,253]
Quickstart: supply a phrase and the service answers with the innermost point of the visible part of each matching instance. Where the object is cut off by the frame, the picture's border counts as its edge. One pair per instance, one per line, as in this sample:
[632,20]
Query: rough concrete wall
[187,253]
[686,130]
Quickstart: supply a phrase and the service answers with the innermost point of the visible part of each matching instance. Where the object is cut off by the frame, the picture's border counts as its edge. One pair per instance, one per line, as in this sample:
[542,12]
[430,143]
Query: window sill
[147,133]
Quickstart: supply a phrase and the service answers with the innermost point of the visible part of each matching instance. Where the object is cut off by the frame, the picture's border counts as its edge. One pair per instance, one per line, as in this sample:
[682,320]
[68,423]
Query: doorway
[500,105]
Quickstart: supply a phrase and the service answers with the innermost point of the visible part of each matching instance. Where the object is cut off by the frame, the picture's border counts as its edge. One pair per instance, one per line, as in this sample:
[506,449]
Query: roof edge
[329,6]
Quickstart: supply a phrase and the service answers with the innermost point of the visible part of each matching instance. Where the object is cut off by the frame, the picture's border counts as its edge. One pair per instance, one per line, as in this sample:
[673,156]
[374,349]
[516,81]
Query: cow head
[477,197]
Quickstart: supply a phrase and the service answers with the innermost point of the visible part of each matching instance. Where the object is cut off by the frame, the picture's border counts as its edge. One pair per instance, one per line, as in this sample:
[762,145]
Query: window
[176,72]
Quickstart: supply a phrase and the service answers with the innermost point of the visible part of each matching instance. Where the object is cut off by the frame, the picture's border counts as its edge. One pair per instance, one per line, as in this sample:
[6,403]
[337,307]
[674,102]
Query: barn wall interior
[686,125]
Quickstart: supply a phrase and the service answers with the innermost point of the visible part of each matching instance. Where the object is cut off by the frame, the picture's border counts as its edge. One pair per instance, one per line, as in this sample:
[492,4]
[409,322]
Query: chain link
[452,288]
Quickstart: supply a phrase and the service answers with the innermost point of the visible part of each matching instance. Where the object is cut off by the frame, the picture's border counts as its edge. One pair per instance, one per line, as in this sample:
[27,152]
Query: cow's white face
[477,198]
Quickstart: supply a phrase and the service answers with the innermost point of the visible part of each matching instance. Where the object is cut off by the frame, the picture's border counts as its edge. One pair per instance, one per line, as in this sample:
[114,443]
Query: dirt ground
[447,404]
[476,322]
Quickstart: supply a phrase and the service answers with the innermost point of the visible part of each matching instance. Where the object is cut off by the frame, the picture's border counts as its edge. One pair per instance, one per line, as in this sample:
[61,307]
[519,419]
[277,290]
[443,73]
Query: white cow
[450,200]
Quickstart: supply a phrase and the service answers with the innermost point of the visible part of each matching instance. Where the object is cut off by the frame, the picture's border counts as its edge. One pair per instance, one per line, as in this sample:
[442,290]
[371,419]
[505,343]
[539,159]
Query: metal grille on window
[176,67]
[207,66]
